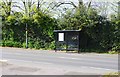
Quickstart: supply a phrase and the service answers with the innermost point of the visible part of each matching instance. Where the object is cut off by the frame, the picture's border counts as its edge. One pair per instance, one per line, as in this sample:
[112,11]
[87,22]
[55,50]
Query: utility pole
[26,36]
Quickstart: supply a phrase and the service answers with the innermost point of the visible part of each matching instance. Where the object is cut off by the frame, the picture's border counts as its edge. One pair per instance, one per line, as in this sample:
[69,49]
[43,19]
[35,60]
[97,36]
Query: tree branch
[62,3]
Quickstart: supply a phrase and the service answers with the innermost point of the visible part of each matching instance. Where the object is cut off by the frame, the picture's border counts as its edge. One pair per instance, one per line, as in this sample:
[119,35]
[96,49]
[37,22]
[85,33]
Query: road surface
[72,61]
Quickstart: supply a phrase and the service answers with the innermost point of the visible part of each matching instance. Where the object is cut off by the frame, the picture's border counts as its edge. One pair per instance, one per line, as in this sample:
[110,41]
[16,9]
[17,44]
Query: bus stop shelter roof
[66,30]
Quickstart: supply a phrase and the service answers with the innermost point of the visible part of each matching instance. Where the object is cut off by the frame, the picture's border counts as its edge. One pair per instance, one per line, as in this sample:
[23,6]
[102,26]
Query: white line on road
[100,68]
[3,60]
[15,60]
[69,58]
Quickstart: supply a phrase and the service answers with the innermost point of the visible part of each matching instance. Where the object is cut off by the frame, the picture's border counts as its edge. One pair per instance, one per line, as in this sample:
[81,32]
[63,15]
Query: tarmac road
[73,61]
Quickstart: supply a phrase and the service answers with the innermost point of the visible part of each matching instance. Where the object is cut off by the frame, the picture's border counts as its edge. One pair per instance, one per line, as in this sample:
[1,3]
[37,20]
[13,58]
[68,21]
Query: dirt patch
[4,64]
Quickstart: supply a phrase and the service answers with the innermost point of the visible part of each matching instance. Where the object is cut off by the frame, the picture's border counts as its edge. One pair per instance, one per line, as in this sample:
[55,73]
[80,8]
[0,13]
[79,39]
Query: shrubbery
[98,34]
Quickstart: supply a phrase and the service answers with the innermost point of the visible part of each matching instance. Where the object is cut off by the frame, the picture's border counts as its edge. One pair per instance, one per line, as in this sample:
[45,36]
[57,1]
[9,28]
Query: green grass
[112,74]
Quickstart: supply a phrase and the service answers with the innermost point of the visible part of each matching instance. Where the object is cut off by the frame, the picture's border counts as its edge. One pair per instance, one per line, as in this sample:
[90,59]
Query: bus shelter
[68,40]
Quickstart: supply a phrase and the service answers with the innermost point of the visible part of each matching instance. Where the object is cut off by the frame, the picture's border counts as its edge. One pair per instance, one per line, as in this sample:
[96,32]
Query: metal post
[55,35]
[66,38]
[79,42]
[26,37]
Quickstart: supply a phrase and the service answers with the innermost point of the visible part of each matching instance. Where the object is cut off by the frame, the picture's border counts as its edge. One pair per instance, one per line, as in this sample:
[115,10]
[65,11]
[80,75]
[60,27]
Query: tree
[92,25]
[6,6]
[39,24]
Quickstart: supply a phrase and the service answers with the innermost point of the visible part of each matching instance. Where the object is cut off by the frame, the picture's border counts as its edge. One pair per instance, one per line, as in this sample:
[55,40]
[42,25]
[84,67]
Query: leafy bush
[98,34]
[24,45]
[37,45]
[51,45]
[11,44]
[30,44]
[17,44]
[112,52]
[116,47]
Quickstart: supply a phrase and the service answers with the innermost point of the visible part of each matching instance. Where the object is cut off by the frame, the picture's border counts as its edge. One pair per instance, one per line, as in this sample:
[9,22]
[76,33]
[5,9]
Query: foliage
[96,29]
[40,30]
[97,32]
